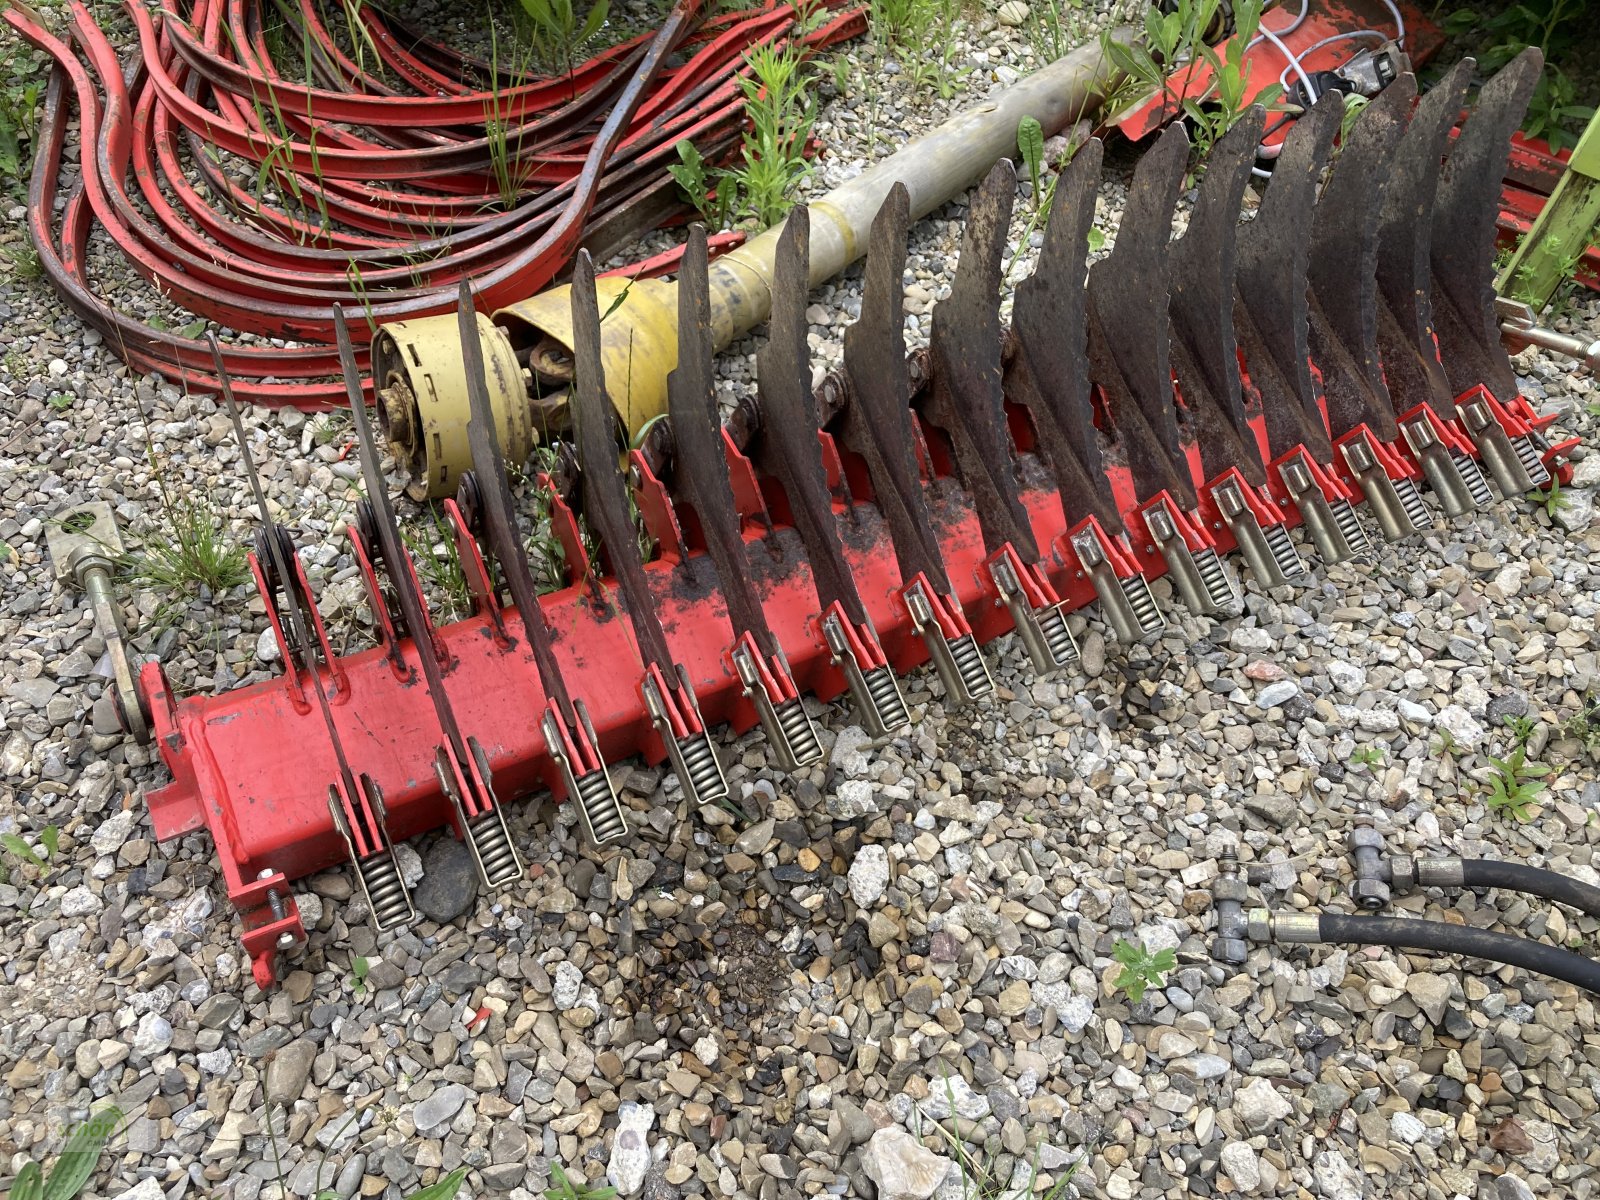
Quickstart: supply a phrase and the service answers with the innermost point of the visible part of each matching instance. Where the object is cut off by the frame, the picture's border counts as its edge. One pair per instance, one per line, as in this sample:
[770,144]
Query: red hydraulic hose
[386,196]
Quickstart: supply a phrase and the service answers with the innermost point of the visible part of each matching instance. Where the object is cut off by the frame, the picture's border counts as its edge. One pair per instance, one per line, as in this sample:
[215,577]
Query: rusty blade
[497,509]
[788,448]
[1344,264]
[1406,345]
[1205,350]
[1048,371]
[700,468]
[605,492]
[395,561]
[966,393]
[1271,308]
[1128,334]
[1464,233]
[877,419]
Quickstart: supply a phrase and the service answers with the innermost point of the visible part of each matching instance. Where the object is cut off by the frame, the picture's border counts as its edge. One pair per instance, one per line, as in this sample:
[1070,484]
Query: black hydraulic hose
[1459,939]
[1535,881]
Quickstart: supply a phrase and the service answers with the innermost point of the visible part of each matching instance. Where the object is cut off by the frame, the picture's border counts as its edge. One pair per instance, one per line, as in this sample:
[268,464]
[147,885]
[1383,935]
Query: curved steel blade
[1406,343]
[966,395]
[877,421]
[700,467]
[1271,307]
[1205,350]
[1048,372]
[1128,325]
[1344,264]
[1464,233]
[498,510]
[788,449]
[605,492]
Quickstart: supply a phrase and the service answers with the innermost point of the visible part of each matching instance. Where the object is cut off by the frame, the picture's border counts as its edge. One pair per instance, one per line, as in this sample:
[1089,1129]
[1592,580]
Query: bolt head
[286,941]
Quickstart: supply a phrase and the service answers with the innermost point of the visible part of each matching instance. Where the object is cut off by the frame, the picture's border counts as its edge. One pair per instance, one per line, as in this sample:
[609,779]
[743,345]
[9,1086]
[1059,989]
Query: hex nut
[1370,893]
[1364,837]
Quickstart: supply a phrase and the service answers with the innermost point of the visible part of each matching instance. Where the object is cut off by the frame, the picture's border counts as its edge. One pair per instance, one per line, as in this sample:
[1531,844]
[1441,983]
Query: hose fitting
[1369,889]
[1228,894]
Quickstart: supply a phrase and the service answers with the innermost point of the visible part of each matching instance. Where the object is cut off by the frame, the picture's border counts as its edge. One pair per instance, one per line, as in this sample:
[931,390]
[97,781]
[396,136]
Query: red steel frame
[268,810]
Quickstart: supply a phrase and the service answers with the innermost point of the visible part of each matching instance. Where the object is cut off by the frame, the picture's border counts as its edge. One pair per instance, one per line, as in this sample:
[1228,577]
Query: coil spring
[1532,463]
[601,811]
[1145,610]
[1214,577]
[970,666]
[495,851]
[886,703]
[1058,637]
[1475,480]
[1416,508]
[1344,516]
[705,782]
[380,877]
[795,722]
[1284,554]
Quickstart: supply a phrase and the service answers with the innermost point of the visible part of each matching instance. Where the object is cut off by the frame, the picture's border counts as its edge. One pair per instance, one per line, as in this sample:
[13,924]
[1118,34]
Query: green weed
[563,1188]
[22,77]
[1551,499]
[1054,28]
[49,838]
[188,549]
[1369,756]
[439,569]
[61,401]
[1554,113]
[930,47]
[75,1163]
[359,967]
[504,134]
[1515,784]
[1584,726]
[773,163]
[981,1176]
[1030,147]
[1141,968]
[780,114]
[556,32]
[1554,26]
[1178,37]
[26,265]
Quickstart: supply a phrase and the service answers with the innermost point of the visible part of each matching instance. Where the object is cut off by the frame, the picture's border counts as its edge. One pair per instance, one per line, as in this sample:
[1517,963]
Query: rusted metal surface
[1464,233]
[1127,323]
[1205,350]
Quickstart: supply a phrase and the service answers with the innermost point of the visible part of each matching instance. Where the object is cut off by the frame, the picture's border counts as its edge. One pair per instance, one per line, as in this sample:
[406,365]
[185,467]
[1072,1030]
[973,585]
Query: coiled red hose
[399,191]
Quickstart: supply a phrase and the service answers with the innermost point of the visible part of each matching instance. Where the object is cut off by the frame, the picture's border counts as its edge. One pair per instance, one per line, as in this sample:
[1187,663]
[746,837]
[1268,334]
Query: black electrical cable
[1459,939]
[1535,881]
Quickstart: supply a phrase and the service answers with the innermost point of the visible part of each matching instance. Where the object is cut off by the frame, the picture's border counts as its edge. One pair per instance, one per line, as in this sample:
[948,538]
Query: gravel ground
[899,953]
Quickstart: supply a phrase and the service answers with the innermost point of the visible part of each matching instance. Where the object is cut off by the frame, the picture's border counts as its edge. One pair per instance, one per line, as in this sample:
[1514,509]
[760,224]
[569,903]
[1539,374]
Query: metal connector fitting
[1402,874]
[1268,926]
[1439,872]
[1370,890]
[1228,894]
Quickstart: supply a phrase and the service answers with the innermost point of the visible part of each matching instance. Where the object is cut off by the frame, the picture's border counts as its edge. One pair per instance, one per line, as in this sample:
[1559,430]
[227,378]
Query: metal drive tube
[1408,934]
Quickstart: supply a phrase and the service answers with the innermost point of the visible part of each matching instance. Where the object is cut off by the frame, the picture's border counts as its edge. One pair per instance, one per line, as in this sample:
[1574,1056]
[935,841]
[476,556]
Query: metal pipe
[639,333]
